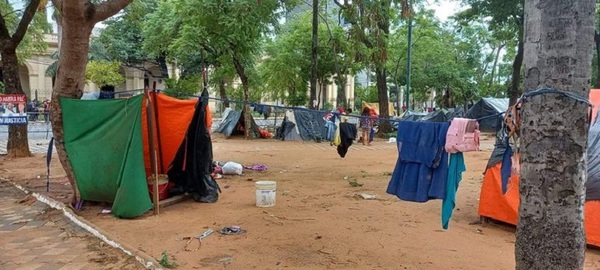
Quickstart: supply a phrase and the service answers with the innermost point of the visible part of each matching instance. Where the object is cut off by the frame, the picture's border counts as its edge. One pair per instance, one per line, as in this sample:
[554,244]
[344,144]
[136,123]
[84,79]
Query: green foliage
[286,67]
[165,262]
[33,42]
[122,36]
[182,87]
[367,94]
[104,73]
[2,87]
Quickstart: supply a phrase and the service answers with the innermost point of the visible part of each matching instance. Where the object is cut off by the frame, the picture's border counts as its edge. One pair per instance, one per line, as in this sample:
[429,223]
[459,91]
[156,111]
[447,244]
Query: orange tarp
[595,100]
[505,208]
[174,117]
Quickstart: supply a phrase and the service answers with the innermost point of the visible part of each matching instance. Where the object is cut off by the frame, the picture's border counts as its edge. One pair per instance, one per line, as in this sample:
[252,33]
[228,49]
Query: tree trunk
[77,19]
[559,45]
[314,54]
[241,71]
[18,144]
[382,92]
[341,92]
[223,93]
[597,42]
[514,92]
[69,84]
[162,63]
[496,64]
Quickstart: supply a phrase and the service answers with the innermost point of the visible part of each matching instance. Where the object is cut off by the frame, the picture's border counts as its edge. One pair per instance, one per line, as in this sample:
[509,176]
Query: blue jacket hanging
[422,167]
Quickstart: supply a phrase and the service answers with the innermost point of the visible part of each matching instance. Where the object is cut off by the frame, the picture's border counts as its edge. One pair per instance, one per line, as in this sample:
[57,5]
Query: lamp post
[408,58]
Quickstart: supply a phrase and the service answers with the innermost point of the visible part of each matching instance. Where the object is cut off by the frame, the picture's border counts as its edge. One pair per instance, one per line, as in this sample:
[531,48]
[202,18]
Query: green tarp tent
[103,139]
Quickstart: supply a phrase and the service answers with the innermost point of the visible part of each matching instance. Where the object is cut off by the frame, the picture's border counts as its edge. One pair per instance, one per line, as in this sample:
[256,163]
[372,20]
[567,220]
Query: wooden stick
[153,161]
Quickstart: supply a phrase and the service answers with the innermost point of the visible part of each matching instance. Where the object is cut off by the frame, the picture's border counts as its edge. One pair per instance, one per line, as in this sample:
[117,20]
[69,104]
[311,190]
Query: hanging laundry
[506,168]
[347,135]
[455,170]
[422,167]
[463,136]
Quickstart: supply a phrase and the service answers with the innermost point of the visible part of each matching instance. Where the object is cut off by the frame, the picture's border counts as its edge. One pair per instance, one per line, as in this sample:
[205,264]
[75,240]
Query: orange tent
[174,116]
[505,207]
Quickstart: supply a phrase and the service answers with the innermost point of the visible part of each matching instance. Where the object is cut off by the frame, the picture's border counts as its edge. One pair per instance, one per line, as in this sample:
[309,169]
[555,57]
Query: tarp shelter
[302,124]
[488,112]
[107,144]
[504,207]
[103,139]
[233,124]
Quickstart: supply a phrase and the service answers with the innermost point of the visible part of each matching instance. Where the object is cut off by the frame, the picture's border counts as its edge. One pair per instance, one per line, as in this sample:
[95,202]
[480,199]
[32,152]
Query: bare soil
[319,221]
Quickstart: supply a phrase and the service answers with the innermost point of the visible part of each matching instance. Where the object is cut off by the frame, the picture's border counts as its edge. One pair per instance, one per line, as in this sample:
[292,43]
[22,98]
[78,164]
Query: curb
[144,259]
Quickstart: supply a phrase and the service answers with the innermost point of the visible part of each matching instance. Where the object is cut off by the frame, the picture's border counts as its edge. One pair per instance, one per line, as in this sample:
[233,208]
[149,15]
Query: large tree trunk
[77,21]
[69,84]
[382,92]
[597,42]
[241,71]
[559,45]
[514,92]
[341,92]
[18,144]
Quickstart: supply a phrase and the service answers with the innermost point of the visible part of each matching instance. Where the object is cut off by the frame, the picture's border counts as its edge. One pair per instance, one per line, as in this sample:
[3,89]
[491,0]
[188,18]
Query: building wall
[36,84]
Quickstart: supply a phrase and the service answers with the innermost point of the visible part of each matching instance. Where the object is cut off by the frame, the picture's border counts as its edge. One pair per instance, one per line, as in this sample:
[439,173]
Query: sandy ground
[318,221]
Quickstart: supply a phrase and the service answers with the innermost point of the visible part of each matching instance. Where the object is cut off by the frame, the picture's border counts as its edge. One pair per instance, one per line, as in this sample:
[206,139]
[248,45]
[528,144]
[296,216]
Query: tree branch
[58,4]
[24,23]
[4,34]
[109,8]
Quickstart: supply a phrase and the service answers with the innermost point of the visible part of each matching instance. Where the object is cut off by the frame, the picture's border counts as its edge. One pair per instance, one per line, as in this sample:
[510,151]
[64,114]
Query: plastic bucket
[163,186]
[265,193]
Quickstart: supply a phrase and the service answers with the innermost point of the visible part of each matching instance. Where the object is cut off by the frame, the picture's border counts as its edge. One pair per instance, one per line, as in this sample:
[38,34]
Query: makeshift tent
[504,207]
[233,123]
[172,121]
[103,139]
[488,112]
[107,143]
[302,124]
[192,167]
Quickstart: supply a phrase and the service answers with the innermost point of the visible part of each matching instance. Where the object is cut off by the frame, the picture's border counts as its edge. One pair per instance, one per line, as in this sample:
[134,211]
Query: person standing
[366,124]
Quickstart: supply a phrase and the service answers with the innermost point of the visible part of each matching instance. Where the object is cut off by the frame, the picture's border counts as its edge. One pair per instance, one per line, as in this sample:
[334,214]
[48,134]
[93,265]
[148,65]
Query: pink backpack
[462,136]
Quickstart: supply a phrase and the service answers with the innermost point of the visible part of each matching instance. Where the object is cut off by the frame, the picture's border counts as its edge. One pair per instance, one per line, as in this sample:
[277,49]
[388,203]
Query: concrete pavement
[36,237]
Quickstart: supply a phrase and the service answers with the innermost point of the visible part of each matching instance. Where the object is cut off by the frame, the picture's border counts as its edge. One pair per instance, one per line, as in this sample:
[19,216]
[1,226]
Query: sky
[443,9]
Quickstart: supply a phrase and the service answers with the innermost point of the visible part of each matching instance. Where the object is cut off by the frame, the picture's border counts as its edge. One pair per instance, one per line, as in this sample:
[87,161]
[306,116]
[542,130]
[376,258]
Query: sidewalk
[34,236]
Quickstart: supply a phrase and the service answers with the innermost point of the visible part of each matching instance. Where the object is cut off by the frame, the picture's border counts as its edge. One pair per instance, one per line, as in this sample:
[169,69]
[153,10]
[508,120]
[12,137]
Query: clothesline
[253,104]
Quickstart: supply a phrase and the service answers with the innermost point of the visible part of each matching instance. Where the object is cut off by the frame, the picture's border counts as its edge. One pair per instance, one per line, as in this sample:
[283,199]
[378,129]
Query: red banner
[13,110]
[13,99]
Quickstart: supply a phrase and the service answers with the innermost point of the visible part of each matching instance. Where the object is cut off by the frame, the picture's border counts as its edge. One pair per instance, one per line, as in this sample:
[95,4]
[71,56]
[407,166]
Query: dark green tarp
[103,139]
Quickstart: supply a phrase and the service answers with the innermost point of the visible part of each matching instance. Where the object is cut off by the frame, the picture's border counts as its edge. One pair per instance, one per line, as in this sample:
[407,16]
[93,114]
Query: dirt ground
[318,221]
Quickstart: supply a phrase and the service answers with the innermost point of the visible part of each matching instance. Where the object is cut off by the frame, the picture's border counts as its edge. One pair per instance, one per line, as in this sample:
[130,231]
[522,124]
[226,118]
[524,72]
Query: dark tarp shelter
[311,125]
[103,139]
[229,124]
[287,131]
[302,124]
[192,167]
[488,112]
[412,116]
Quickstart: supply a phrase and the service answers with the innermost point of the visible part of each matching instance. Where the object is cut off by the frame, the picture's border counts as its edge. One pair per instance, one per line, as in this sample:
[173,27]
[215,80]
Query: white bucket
[265,193]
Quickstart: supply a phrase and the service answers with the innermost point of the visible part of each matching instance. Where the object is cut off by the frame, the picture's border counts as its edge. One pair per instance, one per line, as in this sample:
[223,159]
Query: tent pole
[153,161]
[161,167]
